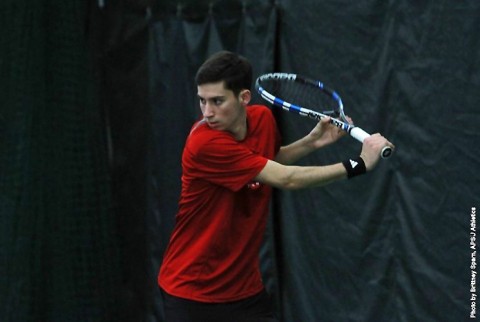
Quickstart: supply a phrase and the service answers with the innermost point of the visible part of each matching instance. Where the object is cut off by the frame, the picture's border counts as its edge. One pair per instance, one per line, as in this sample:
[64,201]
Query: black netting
[57,247]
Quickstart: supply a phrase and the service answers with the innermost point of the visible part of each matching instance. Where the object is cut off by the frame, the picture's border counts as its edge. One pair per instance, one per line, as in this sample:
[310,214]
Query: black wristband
[355,167]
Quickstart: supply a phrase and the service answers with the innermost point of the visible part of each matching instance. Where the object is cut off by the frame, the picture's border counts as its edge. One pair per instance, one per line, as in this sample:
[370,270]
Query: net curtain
[58,248]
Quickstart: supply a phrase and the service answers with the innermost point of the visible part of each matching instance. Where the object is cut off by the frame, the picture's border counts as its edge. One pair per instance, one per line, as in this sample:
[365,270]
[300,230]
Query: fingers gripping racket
[295,93]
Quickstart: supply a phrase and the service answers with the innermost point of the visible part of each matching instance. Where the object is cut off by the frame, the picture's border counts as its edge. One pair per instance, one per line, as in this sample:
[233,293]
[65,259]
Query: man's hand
[371,149]
[325,133]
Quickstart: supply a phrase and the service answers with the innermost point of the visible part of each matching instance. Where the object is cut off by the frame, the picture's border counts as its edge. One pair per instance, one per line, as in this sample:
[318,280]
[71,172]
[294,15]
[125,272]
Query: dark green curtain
[120,34]
[392,245]
[58,251]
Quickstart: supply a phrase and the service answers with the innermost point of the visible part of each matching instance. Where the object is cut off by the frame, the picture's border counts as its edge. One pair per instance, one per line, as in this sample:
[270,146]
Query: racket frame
[356,132]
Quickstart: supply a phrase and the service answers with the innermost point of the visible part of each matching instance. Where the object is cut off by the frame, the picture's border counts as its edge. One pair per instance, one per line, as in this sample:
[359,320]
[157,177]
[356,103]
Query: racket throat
[317,117]
[332,113]
[342,125]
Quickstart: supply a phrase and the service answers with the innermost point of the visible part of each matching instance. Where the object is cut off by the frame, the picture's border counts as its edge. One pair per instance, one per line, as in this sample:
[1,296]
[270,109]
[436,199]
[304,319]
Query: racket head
[294,92]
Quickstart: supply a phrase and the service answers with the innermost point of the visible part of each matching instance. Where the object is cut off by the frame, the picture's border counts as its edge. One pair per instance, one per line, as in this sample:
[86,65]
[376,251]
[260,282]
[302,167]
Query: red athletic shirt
[213,252]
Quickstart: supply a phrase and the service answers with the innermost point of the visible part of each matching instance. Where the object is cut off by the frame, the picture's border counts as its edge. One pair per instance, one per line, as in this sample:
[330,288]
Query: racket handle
[361,135]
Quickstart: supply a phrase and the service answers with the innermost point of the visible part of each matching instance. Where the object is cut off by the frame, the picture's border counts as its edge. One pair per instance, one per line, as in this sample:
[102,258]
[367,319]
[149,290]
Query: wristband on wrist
[355,167]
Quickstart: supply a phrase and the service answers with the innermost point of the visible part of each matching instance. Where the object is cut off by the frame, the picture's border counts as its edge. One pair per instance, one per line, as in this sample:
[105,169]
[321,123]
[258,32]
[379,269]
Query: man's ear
[245,97]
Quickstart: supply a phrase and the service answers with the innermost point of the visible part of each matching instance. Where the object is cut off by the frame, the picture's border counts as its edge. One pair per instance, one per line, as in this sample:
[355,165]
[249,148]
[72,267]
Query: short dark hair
[233,69]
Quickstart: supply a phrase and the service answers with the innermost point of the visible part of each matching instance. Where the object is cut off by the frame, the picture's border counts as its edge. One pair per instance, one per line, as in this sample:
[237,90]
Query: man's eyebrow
[213,97]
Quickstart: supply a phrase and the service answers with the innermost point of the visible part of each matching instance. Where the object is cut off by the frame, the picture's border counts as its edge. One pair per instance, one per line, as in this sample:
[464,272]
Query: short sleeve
[224,161]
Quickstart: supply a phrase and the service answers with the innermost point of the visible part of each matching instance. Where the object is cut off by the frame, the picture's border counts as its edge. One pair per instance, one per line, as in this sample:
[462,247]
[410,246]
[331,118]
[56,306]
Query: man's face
[220,107]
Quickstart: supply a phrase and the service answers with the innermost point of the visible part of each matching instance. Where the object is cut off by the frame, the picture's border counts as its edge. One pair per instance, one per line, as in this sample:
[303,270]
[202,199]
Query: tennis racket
[301,95]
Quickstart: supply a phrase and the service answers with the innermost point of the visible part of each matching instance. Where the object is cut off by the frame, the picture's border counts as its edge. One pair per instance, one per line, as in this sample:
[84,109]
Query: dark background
[96,100]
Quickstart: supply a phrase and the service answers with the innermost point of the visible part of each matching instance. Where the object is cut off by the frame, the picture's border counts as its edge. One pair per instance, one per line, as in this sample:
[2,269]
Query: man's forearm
[295,177]
[293,152]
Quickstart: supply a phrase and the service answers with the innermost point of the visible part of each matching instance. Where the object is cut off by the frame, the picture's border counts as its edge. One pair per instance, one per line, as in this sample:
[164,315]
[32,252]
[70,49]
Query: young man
[231,160]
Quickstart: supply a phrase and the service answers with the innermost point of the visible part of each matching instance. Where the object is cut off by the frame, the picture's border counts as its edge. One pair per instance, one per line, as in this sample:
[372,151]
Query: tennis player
[231,160]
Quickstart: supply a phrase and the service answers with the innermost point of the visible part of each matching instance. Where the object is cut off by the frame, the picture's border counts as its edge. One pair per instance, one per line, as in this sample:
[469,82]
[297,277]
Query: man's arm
[298,177]
[295,177]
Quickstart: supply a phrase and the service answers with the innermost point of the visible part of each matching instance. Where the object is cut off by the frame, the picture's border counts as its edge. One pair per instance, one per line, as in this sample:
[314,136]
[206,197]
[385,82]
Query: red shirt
[213,251]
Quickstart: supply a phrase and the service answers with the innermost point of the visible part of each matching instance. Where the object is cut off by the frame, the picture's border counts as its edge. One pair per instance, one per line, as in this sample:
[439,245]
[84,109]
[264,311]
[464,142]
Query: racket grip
[361,135]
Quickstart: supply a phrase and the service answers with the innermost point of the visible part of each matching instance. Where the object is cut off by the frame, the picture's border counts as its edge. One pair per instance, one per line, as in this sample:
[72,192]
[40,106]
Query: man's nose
[207,110]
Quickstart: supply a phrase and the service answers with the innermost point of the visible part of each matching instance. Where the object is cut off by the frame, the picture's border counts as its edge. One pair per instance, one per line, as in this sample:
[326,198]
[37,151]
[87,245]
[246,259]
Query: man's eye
[202,101]
[218,101]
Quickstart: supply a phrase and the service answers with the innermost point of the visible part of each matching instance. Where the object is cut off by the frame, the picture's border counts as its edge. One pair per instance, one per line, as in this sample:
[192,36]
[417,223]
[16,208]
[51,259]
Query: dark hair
[233,69]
